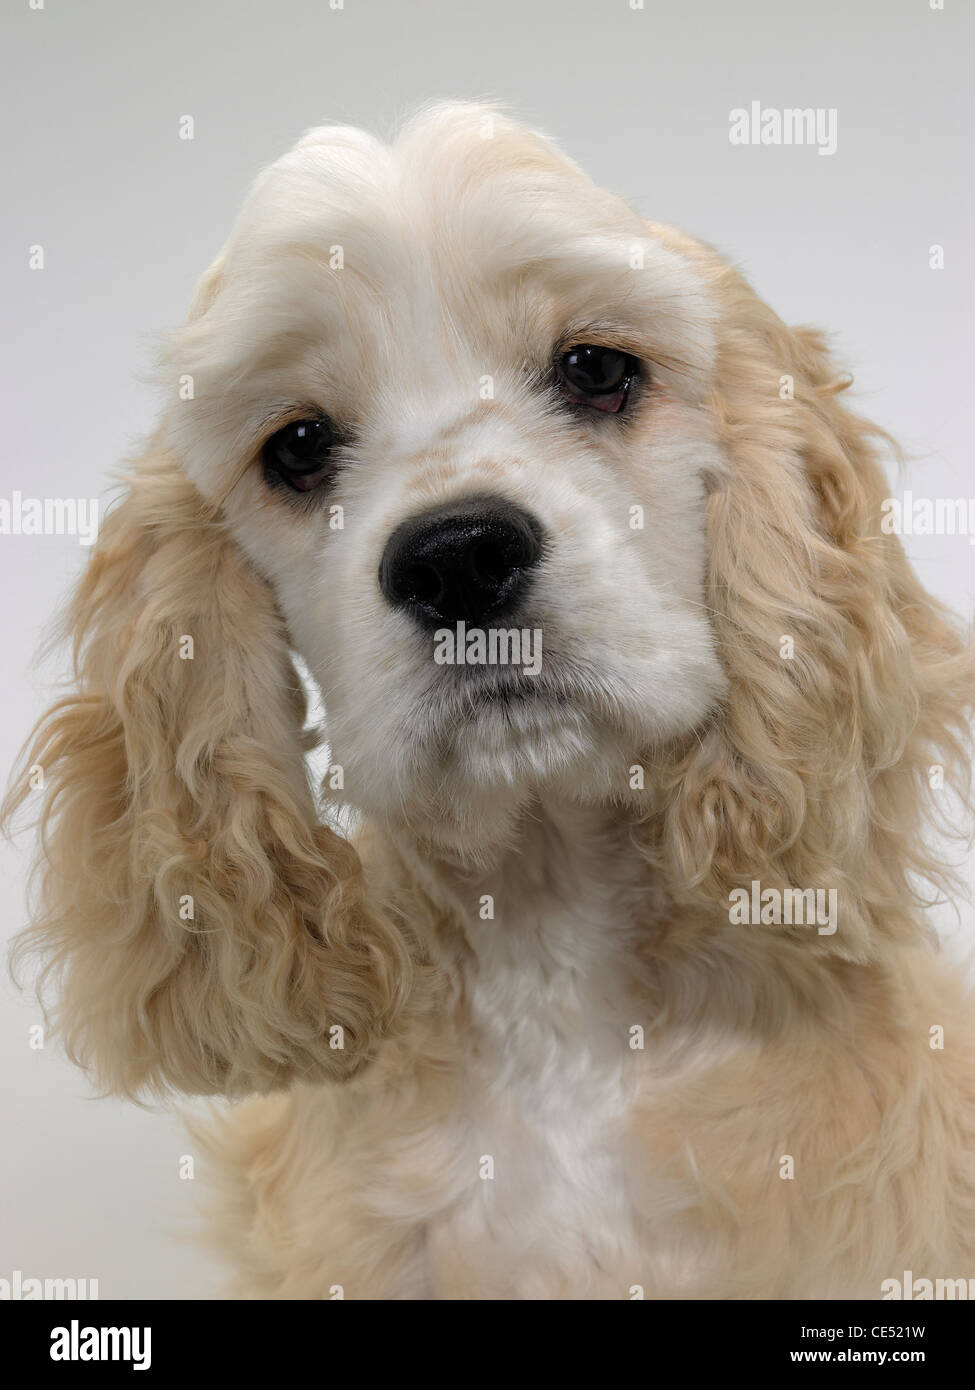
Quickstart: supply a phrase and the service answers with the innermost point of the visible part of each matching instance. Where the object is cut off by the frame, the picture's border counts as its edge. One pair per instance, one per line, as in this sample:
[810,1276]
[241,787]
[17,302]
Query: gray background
[129,215]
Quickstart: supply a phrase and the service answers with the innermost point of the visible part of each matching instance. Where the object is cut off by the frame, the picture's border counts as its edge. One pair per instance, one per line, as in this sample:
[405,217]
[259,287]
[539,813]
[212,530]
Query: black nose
[467,561]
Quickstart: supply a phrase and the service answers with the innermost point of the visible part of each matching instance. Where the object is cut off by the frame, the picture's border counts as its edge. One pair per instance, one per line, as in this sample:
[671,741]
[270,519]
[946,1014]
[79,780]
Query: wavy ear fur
[205,932]
[818,775]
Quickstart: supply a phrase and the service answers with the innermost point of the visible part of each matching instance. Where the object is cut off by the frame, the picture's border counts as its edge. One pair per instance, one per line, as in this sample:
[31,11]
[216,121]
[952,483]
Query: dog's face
[451,381]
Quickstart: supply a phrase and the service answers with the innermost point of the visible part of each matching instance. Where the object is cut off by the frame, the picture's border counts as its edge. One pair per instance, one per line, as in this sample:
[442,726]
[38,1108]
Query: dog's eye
[597,376]
[299,453]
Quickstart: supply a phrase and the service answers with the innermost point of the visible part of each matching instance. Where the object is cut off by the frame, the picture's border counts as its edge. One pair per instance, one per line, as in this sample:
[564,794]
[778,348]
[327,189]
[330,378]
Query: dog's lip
[501,705]
[525,694]
[461,695]
[470,691]
[510,694]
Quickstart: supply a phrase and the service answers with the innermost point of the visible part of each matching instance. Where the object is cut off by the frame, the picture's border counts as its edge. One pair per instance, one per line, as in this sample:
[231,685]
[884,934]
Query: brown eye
[299,454]
[597,376]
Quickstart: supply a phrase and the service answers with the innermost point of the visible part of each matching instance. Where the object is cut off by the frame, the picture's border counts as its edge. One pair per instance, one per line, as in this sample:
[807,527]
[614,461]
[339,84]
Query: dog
[598,968]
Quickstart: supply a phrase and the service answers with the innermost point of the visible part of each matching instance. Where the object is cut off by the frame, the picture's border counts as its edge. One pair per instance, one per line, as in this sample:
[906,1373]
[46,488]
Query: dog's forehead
[472,200]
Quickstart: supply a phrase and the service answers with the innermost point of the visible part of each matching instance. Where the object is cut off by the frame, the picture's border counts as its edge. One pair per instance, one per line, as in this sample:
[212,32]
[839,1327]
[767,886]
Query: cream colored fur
[593,1092]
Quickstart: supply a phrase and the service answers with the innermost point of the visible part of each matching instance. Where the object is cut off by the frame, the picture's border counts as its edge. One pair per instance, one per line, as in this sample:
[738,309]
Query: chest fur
[544,1082]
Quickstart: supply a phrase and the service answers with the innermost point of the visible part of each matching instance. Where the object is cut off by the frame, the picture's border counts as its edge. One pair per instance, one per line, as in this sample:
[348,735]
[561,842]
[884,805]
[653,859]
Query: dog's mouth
[483,672]
[508,728]
[512,696]
[499,704]
[538,701]
[482,690]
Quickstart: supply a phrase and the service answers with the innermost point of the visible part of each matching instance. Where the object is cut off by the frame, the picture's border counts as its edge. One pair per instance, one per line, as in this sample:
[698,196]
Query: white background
[129,215]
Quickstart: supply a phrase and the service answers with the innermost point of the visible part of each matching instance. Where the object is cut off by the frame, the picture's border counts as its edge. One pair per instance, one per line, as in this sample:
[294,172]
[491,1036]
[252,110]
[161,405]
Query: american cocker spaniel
[598,967]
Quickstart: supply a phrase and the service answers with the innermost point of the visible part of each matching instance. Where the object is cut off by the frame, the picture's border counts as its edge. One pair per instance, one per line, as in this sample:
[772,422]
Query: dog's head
[550,503]
[450,393]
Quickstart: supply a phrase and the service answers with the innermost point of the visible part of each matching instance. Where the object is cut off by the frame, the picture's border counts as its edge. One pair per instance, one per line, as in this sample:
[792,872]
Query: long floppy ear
[849,684]
[205,932]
